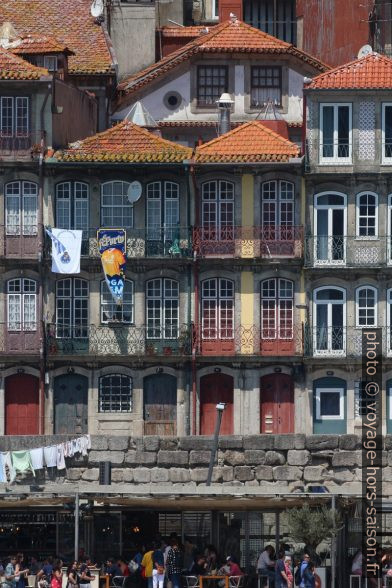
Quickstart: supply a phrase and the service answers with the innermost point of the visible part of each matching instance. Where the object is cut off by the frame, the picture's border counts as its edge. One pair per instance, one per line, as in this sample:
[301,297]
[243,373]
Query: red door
[277,404]
[216,388]
[21,405]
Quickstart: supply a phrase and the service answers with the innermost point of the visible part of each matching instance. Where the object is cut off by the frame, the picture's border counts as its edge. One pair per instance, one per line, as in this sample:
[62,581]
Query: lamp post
[220,407]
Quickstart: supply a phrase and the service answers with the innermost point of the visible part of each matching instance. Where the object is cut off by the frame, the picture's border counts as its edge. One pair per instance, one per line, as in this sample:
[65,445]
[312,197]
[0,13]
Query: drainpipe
[304,125]
[189,313]
[41,425]
[196,310]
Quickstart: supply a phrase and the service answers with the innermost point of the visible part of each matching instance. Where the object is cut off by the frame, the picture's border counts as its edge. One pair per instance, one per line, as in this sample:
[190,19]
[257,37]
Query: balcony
[348,251]
[20,242]
[118,339]
[26,145]
[248,340]
[20,339]
[249,242]
[142,243]
[345,342]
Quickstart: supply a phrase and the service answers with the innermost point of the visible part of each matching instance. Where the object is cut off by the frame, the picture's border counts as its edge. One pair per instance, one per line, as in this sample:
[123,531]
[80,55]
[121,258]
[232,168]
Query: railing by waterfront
[348,251]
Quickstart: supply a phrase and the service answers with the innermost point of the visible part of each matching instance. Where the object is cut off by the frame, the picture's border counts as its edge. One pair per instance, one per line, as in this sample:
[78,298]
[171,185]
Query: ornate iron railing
[265,242]
[166,242]
[23,144]
[348,251]
[18,241]
[118,339]
[337,341]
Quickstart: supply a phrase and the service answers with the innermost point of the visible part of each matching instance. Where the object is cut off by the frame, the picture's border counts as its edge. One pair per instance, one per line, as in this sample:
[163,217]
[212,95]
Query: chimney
[224,106]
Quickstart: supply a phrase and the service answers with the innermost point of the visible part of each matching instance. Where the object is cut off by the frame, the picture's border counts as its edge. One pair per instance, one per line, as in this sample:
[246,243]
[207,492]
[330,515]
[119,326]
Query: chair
[263,580]
[236,581]
[191,581]
[118,581]
[31,580]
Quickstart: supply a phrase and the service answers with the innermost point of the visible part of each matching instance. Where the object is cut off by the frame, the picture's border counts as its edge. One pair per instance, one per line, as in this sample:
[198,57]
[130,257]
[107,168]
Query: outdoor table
[221,577]
[106,577]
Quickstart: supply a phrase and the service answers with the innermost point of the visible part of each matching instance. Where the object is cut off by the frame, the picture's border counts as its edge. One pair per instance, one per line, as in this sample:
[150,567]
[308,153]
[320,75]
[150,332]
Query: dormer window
[335,134]
[266,85]
[49,62]
[212,82]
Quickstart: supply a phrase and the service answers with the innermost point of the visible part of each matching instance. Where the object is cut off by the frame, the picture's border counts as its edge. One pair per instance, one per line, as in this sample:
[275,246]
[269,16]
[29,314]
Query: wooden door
[277,404]
[70,404]
[216,388]
[21,405]
[160,405]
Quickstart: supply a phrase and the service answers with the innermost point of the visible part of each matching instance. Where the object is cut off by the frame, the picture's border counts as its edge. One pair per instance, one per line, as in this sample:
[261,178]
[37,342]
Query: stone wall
[272,463]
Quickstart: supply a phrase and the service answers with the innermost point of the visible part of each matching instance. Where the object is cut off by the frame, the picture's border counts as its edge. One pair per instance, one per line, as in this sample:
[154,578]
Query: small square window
[329,404]
[266,86]
[212,82]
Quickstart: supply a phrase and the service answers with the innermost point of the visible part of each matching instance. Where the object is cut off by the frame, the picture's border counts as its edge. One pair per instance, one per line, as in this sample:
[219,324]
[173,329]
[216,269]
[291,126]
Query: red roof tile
[227,37]
[13,67]
[126,142]
[70,22]
[252,142]
[39,44]
[183,32]
[374,71]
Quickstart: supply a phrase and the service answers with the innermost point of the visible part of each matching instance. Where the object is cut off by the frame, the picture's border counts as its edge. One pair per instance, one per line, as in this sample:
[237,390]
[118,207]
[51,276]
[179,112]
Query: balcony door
[163,218]
[70,404]
[329,332]
[72,209]
[217,234]
[330,228]
[217,315]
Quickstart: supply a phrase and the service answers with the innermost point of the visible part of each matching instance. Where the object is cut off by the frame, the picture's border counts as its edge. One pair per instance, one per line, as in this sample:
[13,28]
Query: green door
[70,404]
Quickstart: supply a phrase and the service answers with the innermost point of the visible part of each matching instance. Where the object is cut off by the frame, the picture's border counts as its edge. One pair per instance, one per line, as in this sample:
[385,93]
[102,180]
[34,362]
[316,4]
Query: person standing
[302,566]
[72,575]
[281,579]
[85,576]
[148,565]
[10,573]
[57,575]
[174,564]
[309,576]
[289,573]
[158,572]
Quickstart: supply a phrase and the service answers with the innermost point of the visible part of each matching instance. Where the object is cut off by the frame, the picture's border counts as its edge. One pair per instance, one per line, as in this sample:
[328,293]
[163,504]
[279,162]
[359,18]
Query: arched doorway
[70,404]
[160,404]
[21,405]
[216,388]
[276,404]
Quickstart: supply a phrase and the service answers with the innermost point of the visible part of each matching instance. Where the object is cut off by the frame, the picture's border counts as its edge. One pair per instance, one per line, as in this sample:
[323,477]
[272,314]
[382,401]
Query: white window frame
[384,160]
[221,333]
[130,400]
[331,390]
[390,402]
[71,204]
[330,208]
[161,313]
[335,160]
[329,351]
[219,231]
[161,194]
[357,215]
[120,310]
[357,291]
[22,227]
[73,330]
[278,303]
[215,9]
[22,299]
[277,202]
[126,203]
[389,322]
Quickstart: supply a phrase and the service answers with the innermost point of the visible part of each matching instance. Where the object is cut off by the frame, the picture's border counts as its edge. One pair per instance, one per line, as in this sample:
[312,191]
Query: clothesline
[31,460]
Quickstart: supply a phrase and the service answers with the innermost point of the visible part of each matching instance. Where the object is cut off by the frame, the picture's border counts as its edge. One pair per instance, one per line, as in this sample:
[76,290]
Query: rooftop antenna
[365,50]
[97,8]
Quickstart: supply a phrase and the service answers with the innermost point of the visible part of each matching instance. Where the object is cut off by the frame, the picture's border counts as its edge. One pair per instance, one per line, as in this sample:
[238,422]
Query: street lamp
[220,407]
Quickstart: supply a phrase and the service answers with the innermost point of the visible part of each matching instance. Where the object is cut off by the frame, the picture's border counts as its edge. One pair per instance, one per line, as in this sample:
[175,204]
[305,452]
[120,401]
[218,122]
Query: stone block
[128,475]
[298,457]
[264,473]
[159,475]
[199,475]
[388,442]
[168,443]
[287,473]
[91,475]
[74,474]
[204,443]
[341,475]
[172,458]
[274,458]
[231,442]
[115,457]
[151,443]
[322,442]
[99,442]
[199,457]
[117,475]
[234,457]
[349,442]
[289,441]
[118,443]
[259,442]
[179,475]
[254,456]
[346,459]
[314,473]
[387,474]
[135,458]
[243,473]
[141,475]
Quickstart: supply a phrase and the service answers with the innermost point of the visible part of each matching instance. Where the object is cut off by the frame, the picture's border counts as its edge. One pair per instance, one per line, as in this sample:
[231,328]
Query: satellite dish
[96,8]
[134,192]
[365,50]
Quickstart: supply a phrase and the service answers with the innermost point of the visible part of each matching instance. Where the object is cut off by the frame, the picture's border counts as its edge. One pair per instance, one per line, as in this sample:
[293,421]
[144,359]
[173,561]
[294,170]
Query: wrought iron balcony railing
[20,241]
[338,341]
[118,339]
[22,338]
[174,242]
[24,144]
[348,251]
[266,242]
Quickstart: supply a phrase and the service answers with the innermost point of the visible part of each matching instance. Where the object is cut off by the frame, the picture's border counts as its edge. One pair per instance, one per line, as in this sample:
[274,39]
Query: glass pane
[343,131]
[388,131]
[329,404]
[328,130]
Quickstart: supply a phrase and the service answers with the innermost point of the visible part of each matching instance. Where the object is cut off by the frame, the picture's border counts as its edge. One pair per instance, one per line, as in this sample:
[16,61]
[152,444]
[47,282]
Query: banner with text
[112,248]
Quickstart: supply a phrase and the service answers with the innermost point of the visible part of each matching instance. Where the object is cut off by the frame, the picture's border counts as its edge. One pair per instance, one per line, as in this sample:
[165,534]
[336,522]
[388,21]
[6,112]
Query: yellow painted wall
[247,313]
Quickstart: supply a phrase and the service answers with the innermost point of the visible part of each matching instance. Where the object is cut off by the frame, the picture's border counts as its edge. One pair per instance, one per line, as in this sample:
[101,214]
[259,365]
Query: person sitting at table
[212,559]
[266,564]
[199,567]
[111,569]
[234,568]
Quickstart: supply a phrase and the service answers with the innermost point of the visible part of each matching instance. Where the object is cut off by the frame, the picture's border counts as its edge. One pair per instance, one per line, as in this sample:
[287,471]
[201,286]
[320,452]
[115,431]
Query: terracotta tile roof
[252,142]
[13,67]
[183,32]
[227,37]
[39,44]
[70,22]
[374,71]
[126,142]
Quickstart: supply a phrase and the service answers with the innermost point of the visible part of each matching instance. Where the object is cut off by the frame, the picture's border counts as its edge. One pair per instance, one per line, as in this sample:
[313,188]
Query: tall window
[367,214]
[14,116]
[217,309]
[266,85]
[22,304]
[330,228]
[277,301]
[21,203]
[72,308]
[212,82]
[110,311]
[163,211]
[389,320]
[162,305]
[276,17]
[387,133]
[72,205]
[115,393]
[116,211]
[329,314]
[335,133]
[277,203]
[366,306]
[218,210]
